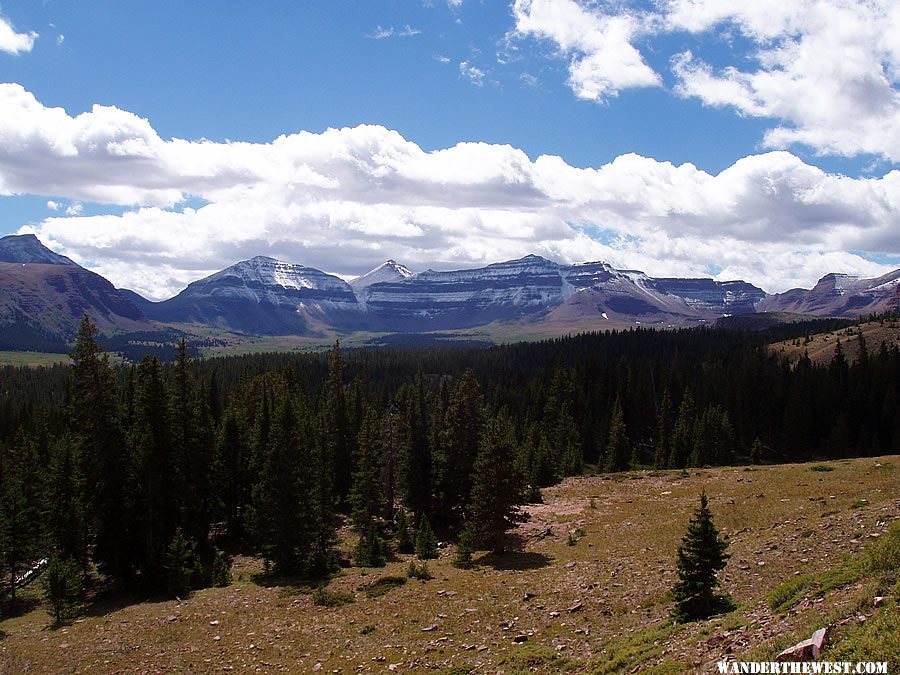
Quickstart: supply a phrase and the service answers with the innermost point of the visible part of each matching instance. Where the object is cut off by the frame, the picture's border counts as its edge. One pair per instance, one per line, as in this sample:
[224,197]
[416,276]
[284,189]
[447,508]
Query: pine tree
[618,448]
[463,557]
[426,542]
[336,427]
[179,565]
[567,441]
[94,418]
[700,557]
[281,499]
[497,490]
[66,517]
[192,432]
[158,494]
[221,570]
[369,551]
[232,467]
[713,439]
[756,451]
[390,450]
[366,497]
[405,542]
[460,440]
[21,499]
[683,432]
[415,447]
[63,584]
[664,433]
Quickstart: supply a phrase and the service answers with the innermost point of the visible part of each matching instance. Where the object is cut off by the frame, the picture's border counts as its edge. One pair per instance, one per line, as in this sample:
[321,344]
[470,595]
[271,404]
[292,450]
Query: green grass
[527,658]
[668,667]
[32,358]
[381,586]
[878,639]
[623,654]
[787,594]
[881,558]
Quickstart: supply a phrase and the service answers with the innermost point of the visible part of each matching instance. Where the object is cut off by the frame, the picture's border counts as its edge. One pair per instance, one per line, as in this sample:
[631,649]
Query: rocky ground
[587,590]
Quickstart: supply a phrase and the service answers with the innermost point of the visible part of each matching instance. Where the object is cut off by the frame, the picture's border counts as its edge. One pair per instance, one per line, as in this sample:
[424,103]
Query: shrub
[325,598]
[419,572]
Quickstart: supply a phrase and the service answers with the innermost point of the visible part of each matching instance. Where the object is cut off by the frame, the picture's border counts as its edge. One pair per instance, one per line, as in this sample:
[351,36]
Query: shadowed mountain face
[44,295]
[262,296]
[839,295]
[41,305]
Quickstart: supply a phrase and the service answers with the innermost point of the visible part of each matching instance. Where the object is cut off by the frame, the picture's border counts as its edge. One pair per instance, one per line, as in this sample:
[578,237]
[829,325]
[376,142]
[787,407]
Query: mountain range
[43,295]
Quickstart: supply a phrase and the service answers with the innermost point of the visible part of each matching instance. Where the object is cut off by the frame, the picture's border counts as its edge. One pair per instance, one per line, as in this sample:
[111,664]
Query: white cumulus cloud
[827,71]
[13,42]
[602,59]
[346,199]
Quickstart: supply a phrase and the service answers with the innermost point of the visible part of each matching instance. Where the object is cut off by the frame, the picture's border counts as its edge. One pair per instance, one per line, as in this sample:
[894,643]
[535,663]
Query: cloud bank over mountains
[346,199]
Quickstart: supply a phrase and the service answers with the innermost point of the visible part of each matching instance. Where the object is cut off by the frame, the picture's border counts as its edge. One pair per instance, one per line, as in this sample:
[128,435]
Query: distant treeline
[113,466]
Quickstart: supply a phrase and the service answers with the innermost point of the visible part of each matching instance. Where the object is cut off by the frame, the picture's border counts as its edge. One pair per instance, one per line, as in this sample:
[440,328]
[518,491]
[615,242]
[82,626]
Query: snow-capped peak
[388,271]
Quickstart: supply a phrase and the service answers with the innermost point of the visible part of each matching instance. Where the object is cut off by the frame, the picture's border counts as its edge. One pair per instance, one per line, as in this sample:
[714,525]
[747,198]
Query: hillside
[597,605]
[821,347]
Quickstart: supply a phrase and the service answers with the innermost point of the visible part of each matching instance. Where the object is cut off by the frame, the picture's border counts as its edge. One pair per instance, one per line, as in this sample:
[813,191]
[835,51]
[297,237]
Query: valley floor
[587,591]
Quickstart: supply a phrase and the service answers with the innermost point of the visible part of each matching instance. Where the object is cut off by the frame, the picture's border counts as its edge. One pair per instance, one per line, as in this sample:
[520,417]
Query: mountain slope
[26,248]
[41,305]
[465,298]
[601,605]
[839,295]
[263,296]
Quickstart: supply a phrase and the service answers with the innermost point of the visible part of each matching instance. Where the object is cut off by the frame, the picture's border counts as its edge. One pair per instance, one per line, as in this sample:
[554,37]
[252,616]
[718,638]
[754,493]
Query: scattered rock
[519,639]
[807,650]
[577,607]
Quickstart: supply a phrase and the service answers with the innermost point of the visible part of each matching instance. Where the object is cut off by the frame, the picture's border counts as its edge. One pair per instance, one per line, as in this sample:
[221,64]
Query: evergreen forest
[140,475]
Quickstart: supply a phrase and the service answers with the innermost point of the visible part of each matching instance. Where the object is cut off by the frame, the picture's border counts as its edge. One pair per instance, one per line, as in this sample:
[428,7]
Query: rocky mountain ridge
[49,293]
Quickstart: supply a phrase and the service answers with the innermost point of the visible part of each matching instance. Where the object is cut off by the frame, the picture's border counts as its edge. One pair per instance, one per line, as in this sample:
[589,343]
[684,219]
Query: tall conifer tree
[497,489]
[94,418]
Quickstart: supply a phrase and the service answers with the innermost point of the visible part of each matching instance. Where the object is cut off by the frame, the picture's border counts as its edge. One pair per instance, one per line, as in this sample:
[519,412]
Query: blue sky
[439,74]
